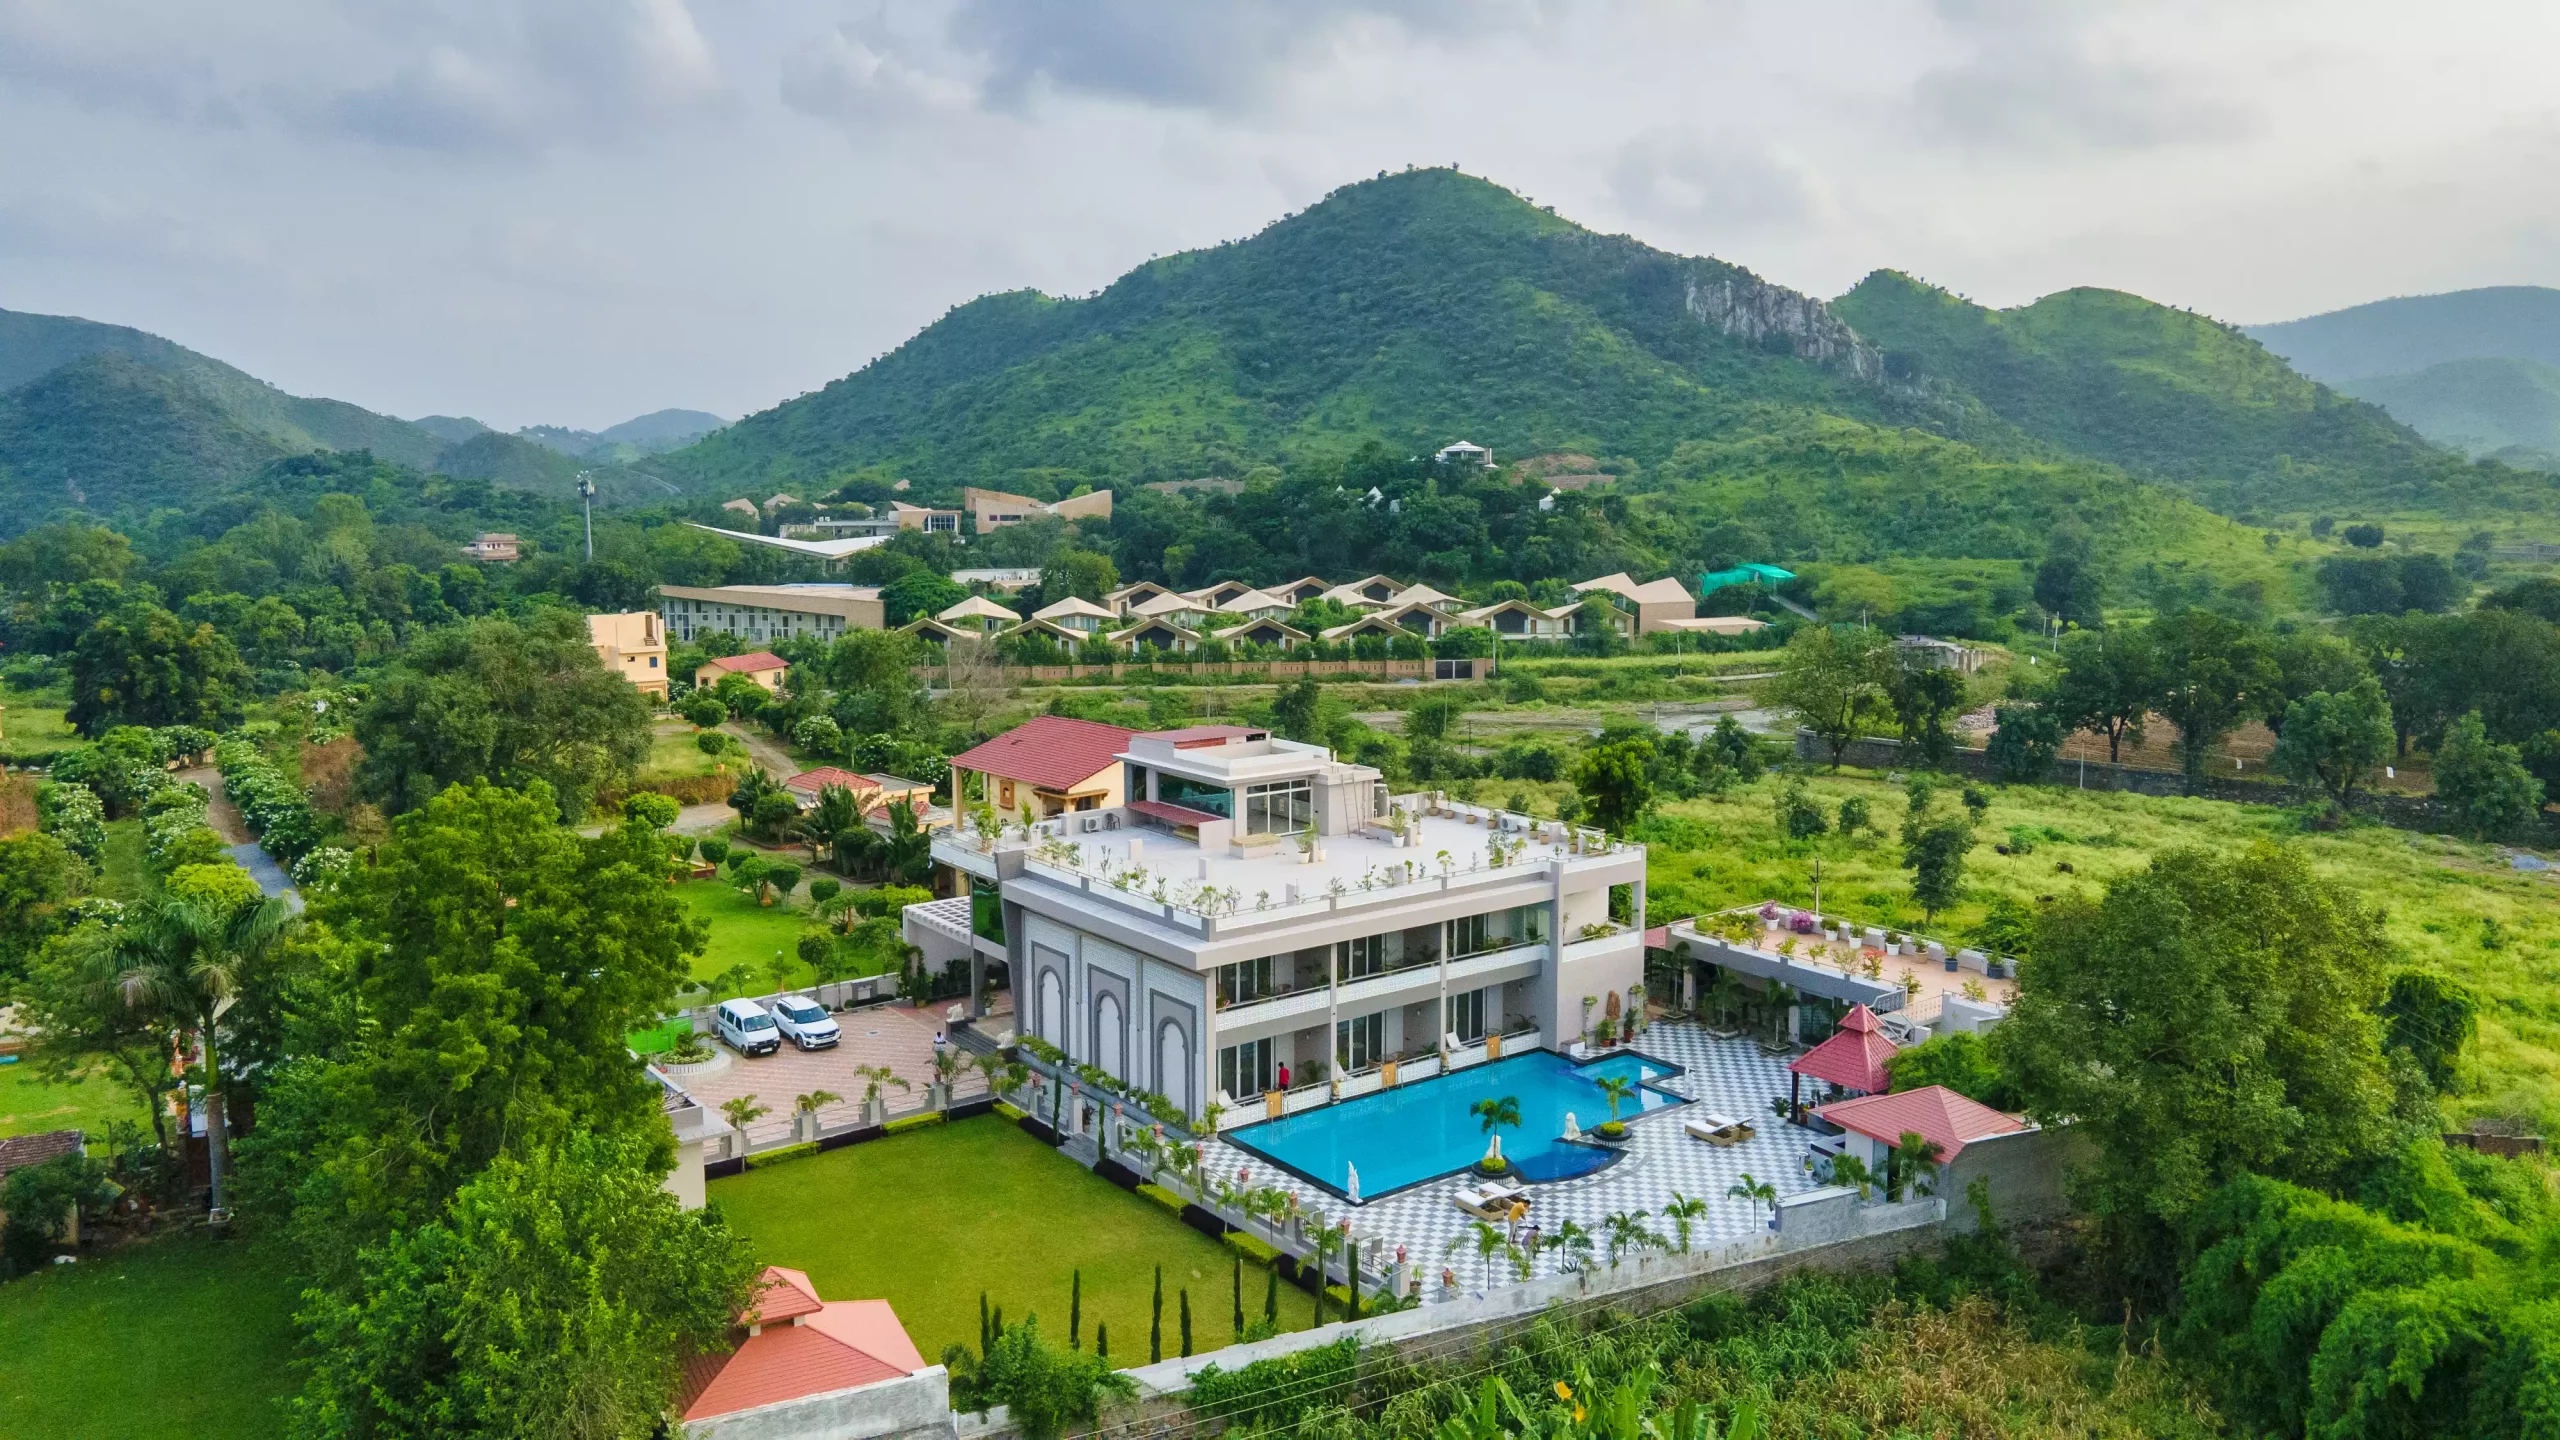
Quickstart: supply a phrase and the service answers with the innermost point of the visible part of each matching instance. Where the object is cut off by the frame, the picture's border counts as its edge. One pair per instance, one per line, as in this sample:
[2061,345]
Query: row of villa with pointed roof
[1146,615]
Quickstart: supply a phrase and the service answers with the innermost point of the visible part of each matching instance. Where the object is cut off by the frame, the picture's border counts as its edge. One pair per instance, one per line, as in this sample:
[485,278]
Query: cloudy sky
[572,211]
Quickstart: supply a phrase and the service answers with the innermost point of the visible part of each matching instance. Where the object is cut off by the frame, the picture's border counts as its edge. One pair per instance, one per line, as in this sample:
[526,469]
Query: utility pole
[587,501]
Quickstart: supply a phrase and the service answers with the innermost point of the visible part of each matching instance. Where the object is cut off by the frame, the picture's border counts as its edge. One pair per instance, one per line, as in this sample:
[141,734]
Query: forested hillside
[2175,396]
[1411,310]
[2412,332]
[2497,406]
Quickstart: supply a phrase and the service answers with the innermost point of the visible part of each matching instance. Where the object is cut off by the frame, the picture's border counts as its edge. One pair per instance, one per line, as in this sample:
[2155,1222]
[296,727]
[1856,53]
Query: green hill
[2488,406]
[1413,310]
[31,345]
[2175,396]
[110,434]
[2412,332]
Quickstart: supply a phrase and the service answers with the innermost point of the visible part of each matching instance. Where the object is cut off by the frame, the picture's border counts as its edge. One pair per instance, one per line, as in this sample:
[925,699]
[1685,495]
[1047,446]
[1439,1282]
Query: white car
[804,1022]
[747,1028]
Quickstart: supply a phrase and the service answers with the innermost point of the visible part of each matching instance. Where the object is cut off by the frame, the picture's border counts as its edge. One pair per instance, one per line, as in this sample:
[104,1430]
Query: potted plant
[1605,1034]
[1616,1088]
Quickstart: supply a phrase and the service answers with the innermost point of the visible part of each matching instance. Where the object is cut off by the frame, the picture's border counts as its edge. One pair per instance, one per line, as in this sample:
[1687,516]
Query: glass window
[1466,1015]
[1196,794]
[1360,1043]
[1498,930]
[1284,807]
[1364,957]
[1245,980]
[1245,1070]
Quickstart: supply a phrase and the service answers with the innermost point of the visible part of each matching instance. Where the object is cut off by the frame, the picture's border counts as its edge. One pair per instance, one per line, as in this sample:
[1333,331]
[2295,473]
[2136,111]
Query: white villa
[1254,904]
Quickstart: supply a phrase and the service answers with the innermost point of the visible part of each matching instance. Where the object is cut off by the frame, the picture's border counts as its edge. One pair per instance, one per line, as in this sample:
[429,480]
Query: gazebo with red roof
[1856,1058]
[793,1345]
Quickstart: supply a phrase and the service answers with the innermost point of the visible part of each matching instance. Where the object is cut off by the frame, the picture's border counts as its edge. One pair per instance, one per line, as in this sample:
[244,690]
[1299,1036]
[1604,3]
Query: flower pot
[1951,964]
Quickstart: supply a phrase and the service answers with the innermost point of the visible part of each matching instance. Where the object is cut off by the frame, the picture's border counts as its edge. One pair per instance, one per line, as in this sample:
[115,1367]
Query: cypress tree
[1271,1294]
[1239,1297]
[1101,1340]
[986,1336]
[1186,1322]
[1075,1311]
[1155,1321]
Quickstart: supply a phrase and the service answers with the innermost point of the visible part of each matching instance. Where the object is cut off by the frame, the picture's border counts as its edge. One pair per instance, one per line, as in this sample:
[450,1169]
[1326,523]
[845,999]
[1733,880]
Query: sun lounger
[1717,1129]
[1490,1199]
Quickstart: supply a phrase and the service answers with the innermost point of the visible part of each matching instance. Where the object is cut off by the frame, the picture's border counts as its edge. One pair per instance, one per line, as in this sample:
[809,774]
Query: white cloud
[576,210]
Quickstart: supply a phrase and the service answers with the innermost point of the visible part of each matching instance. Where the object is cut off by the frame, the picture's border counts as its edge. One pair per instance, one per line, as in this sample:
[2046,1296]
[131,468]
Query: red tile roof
[1053,752]
[1854,1058]
[749,663]
[1933,1112]
[806,1346]
[825,775]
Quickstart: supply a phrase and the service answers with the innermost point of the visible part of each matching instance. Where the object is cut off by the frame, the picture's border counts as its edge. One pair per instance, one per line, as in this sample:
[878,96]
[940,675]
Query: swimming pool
[1422,1131]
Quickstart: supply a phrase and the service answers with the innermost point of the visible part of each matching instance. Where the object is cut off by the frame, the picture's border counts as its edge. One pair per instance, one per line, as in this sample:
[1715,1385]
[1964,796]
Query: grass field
[673,755]
[28,1105]
[175,1337]
[744,932]
[2449,904]
[33,723]
[929,1219]
[121,872]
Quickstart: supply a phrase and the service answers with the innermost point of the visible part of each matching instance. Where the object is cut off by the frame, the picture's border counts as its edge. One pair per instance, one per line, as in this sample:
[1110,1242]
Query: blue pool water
[1417,1132]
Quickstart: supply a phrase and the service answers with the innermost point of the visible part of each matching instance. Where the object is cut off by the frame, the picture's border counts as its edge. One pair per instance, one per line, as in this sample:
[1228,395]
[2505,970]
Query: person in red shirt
[1284,1074]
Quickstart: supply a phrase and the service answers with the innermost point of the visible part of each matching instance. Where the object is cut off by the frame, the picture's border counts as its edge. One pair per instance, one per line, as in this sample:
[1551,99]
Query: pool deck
[1730,1077]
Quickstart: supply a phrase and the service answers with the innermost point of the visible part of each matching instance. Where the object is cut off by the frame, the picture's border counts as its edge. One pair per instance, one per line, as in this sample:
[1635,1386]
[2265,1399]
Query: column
[1333,1012]
[1448,930]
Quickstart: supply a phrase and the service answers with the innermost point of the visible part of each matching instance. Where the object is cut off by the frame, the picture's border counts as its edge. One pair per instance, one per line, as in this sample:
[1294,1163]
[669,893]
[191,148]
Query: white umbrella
[1354,1185]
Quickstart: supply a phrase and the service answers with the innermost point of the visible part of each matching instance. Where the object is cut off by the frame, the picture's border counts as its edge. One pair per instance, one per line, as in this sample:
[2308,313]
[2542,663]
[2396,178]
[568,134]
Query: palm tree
[1489,1242]
[1627,1232]
[906,850]
[949,1064]
[744,1111]
[1756,1192]
[738,979]
[1915,1161]
[1574,1241]
[1847,1169]
[187,960]
[876,1076]
[808,1104]
[1684,1212]
[1617,1088]
[1505,1111]
[835,813]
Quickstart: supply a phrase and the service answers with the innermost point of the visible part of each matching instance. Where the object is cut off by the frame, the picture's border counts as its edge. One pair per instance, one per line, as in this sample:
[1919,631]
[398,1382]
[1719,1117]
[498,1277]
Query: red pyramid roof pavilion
[1856,1057]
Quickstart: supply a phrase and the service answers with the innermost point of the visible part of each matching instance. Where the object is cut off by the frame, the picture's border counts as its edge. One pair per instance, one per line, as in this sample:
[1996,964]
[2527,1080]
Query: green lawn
[673,754]
[33,723]
[2449,904]
[929,1219]
[28,1105]
[121,872]
[185,1337]
[743,931]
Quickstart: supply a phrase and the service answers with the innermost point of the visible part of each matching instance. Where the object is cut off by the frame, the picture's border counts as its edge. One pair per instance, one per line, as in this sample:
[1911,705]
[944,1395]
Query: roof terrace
[1187,867]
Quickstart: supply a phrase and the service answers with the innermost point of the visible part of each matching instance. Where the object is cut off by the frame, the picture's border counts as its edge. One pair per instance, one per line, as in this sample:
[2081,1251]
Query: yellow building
[633,645]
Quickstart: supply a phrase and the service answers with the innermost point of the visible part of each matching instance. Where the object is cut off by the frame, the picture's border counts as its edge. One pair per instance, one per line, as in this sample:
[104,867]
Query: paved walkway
[894,1036]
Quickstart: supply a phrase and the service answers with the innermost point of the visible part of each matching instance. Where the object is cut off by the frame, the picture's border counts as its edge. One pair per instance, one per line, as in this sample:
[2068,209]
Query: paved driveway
[890,1035]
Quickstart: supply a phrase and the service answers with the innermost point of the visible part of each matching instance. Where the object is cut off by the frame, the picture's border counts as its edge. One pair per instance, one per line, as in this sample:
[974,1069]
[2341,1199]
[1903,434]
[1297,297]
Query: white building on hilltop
[1255,906]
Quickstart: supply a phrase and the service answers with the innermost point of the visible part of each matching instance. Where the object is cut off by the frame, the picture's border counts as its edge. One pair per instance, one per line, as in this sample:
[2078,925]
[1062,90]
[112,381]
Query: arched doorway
[1053,1009]
[1173,1066]
[1108,1039]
